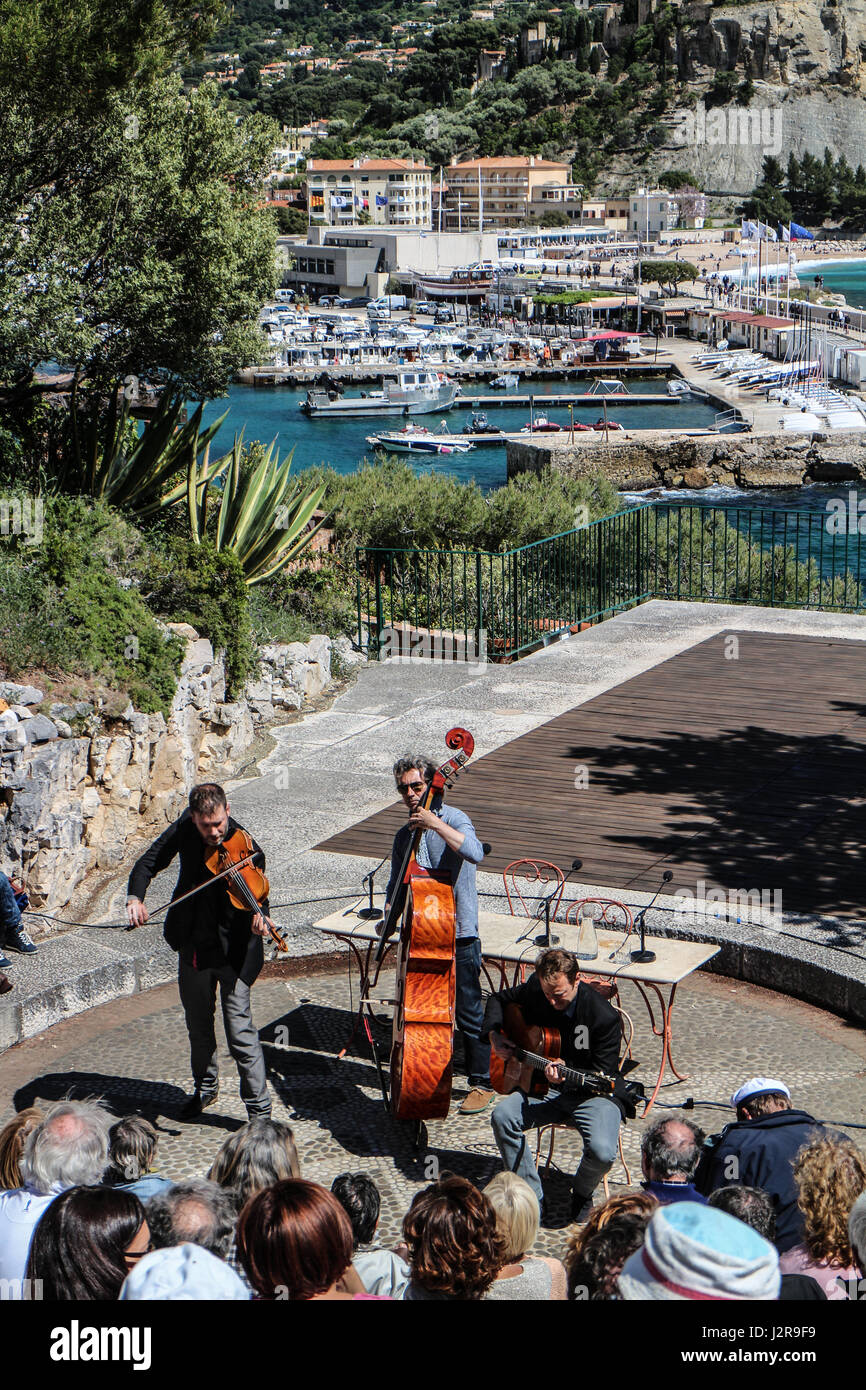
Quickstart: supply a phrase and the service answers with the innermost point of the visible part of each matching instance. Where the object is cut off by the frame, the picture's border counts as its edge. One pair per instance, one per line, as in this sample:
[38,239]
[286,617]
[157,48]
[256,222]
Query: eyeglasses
[412,787]
[132,1256]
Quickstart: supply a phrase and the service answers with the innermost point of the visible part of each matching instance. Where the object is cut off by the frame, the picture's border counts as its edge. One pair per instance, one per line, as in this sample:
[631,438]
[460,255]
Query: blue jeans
[597,1119]
[10,916]
[469,1010]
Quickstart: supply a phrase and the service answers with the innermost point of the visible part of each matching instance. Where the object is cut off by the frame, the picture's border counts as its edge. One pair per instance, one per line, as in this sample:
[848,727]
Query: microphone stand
[643,956]
[371,913]
[544,938]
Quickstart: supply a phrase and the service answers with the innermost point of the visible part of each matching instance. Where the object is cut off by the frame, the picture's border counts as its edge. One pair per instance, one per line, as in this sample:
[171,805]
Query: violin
[246,885]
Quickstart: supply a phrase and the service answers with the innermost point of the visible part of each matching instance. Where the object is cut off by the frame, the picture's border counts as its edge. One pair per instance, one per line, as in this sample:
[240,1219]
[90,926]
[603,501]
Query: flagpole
[788,296]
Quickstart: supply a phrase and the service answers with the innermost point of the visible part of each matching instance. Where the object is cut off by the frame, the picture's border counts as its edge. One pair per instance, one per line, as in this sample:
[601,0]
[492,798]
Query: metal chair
[517,878]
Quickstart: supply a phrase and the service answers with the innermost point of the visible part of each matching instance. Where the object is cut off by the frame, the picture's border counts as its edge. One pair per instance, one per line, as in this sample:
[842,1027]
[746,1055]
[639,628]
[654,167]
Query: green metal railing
[484,606]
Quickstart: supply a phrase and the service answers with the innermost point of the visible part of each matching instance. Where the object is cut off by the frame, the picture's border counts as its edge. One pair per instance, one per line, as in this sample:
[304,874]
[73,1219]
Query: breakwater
[657,459]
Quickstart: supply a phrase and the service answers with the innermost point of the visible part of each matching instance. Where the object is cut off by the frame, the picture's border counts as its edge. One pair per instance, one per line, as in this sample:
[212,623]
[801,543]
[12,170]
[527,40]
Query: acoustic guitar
[534,1048]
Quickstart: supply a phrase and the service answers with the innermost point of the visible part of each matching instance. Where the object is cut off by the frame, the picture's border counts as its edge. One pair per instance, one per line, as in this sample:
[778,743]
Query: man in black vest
[555,997]
[217,945]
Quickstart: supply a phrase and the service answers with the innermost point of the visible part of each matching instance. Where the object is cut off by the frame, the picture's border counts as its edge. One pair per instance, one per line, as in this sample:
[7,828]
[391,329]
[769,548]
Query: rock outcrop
[807,61]
[77,785]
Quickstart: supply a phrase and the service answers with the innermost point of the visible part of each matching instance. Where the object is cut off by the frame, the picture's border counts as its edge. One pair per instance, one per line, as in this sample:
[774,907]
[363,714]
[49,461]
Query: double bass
[423,1034]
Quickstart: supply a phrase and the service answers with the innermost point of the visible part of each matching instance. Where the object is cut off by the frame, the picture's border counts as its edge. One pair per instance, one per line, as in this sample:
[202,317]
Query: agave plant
[135,475]
[263,516]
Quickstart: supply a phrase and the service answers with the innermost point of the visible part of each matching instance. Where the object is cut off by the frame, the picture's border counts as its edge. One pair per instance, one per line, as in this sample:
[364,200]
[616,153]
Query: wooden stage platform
[745,771]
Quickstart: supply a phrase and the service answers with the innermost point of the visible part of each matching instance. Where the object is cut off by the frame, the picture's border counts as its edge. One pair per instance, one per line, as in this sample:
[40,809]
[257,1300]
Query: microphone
[544,938]
[371,913]
[643,956]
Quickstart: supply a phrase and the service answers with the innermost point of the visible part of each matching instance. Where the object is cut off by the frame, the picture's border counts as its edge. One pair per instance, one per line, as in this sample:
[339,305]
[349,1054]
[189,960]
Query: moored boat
[418,392]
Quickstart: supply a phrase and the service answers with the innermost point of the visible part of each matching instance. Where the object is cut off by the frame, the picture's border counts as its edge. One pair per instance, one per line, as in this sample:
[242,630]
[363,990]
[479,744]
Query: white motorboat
[417,392]
[506,382]
[415,439]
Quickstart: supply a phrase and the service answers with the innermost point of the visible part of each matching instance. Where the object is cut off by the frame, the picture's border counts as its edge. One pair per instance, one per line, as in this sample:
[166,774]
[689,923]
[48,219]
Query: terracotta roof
[516,161]
[768,321]
[347,166]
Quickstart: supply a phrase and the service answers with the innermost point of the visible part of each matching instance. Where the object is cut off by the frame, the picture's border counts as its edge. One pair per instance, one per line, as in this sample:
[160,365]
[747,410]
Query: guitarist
[450,846]
[555,997]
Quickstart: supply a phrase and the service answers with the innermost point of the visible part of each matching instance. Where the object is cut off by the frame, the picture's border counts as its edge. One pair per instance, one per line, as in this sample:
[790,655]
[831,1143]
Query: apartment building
[392,192]
[511,189]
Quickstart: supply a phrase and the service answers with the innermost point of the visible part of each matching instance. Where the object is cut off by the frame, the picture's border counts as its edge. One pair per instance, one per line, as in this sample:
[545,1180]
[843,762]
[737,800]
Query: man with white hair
[68,1148]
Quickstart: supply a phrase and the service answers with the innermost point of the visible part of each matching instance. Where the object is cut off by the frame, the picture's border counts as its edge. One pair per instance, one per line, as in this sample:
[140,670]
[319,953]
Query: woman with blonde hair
[830,1173]
[523,1276]
[13,1137]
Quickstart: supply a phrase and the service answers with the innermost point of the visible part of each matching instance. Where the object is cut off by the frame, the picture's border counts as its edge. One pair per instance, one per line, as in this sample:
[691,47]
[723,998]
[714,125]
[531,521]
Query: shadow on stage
[124,1095]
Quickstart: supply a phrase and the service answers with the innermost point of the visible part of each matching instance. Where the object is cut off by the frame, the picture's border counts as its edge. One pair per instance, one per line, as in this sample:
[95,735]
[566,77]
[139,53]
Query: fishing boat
[415,439]
[506,382]
[607,386]
[419,392]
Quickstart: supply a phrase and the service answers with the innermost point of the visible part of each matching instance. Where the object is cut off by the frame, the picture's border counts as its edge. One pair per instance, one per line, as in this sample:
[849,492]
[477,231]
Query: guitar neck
[569,1074]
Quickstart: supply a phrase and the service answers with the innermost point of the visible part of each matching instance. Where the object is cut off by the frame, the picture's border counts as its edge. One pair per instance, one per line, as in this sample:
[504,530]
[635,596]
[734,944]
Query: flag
[766,233]
[337,201]
[786,233]
[801,233]
[380,201]
[749,231]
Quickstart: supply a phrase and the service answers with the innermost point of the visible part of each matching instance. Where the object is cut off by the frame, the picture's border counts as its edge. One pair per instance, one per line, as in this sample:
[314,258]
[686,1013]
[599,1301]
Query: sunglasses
[413,787]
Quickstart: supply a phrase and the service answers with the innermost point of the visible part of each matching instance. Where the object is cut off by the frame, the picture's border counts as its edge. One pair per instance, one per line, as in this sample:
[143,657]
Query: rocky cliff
[78,788]
[807,60]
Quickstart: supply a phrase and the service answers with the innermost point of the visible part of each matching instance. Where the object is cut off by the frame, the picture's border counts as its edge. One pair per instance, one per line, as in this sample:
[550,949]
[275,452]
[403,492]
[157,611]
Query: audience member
[857,1237]
[697,1252]
[255,1157]
[295,1243]
[670,1150]
[13,1137]
[132,1153]
[68,1148]
[380,1271]
[192,1212]
[523,1276]
[598,1250]
[830,1173]
[86,1242]
[755,1208]
[758,1150]
[455,1250]
[183,1273]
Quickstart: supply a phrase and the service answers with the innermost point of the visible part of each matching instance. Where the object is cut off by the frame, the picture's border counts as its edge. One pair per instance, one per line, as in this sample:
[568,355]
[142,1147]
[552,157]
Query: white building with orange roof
[505,190]
[392,192]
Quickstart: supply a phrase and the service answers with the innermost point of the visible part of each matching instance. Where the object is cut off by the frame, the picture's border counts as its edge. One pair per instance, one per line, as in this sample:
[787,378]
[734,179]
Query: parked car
[444,315]
[377,314]
[359,302]
[423,306]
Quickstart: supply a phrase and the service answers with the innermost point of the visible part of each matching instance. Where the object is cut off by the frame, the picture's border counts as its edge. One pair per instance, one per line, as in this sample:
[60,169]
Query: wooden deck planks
[723,770]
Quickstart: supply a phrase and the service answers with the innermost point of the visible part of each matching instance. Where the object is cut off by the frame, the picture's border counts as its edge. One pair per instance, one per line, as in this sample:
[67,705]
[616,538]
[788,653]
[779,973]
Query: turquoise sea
[843,277]
[272,412]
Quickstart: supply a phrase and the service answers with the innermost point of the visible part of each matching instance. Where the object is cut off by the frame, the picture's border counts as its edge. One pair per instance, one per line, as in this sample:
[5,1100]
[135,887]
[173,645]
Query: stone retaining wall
[78,784]
[700,461]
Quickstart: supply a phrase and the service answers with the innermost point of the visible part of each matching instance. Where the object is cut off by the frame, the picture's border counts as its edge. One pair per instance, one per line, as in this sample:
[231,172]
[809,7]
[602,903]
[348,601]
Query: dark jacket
[666,1193]
[593,1013]
[207,931]
[761,1153]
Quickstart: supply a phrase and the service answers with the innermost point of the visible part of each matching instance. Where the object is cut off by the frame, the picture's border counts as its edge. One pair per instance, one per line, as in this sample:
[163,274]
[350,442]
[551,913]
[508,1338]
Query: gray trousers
[597,1119]
[198,996]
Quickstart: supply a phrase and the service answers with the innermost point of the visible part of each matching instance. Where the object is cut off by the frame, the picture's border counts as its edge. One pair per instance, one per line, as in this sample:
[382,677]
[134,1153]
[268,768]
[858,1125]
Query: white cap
[758,1086]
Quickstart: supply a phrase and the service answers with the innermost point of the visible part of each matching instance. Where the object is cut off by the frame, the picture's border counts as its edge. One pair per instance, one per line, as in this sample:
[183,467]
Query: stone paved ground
[133,1052]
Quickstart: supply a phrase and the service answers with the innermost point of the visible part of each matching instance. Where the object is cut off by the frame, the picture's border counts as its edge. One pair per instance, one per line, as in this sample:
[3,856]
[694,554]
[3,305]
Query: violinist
[449,845]
[217,943]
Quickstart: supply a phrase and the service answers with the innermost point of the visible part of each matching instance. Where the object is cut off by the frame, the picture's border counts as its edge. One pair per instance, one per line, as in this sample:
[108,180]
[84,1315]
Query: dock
[549,401]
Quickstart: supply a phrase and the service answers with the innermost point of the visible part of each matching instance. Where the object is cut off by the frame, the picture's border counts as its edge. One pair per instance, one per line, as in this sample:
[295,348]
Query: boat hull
[362,407]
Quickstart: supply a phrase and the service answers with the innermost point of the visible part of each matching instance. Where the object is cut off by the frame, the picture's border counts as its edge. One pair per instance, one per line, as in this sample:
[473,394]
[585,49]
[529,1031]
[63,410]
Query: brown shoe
[5,983]
[478,1100]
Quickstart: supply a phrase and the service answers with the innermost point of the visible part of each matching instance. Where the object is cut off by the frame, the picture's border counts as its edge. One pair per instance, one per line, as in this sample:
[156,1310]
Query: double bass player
[449,846]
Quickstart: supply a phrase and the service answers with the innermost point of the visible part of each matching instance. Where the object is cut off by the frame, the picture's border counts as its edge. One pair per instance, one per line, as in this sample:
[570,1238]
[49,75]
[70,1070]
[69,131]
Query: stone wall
[77,785]
[698,462]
